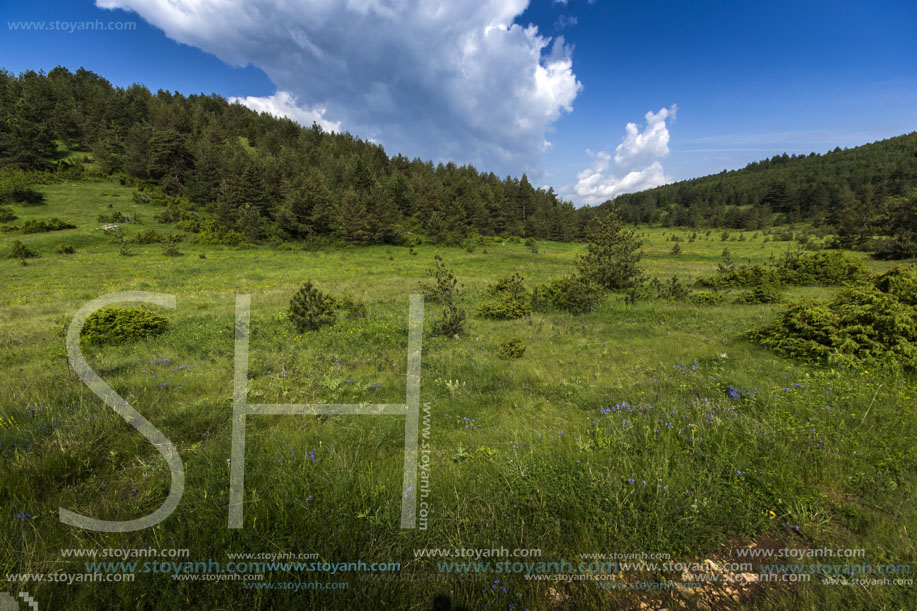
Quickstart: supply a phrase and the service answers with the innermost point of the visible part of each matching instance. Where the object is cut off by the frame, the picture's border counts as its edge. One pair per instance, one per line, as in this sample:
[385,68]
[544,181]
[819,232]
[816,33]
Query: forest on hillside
[233,174]
[859,193]
[261,176]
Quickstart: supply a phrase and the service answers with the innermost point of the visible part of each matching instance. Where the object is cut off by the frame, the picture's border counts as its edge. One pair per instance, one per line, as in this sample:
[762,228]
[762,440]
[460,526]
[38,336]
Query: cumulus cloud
[636,161]
[446,79]
[283,104]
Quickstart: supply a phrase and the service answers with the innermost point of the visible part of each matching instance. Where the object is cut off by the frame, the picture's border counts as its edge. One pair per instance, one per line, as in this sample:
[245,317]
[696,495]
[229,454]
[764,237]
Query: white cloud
[565,21]
[283,104]
[636,162]
[446,79]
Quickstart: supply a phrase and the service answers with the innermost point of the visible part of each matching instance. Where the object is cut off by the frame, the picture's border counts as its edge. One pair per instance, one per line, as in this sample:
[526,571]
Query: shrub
[513,300]
[15,187]
[65,249]
[512,348]
[446,290]
[826,268]
[613,256]
[569,294]
[532,245]
[673,290]
[353,307]
[874,321]
[55,224]
[21,251]
[760,293]
[676,250]
[902,247]
[6,215]
[799,268]
[113,325]
[311,309]
[705,298]
[169,249]
[150,236]
[901,282]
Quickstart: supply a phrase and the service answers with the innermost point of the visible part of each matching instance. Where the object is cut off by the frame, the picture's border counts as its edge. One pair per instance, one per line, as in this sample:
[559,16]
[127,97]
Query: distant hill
[857,191]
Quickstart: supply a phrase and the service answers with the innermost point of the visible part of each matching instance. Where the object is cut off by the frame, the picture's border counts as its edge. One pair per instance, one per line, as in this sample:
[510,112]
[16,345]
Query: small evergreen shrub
[150,236]
[55,224]
[21,251]
[7,215]
[673,290]
[874,321]
[760,293]
[445,290]
[705,298]
[513,300]
[65,249]
[612,261]
[170,249]
[821,268]
[512,348]
[569,294]
[900,282]
[115,325]
[532,245]
[802,269]
[311,309]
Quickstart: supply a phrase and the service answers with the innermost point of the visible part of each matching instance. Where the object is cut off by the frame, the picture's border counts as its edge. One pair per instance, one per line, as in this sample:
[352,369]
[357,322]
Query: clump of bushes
[512,299]
[446,290]
[876,320]
[570,294]
[705,298]
[797,268]
[673,290]
[7,215]
[115,325]
[15,187]
[311,309]
[532,245]
[760,293]
[65,249]
[21,251]
[823,267]
[512,348]
[55,224]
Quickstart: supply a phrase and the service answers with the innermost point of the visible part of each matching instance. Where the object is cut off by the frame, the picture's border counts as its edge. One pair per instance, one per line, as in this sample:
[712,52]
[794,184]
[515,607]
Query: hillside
[860,192]
[259,176]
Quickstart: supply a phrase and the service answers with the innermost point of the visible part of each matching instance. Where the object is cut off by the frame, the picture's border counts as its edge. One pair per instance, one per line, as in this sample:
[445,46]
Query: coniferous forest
[232,175]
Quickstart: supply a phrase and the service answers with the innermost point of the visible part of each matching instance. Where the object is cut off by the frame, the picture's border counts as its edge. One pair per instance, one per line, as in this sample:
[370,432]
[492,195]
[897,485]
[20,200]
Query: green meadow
[652,427]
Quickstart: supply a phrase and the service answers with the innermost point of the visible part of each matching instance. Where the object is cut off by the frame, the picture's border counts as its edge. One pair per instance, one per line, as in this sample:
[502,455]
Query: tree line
[268,178]
[262,176]
[858,193]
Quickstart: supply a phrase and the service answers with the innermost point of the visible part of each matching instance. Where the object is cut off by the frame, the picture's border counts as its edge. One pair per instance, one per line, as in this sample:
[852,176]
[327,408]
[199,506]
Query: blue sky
[707,85]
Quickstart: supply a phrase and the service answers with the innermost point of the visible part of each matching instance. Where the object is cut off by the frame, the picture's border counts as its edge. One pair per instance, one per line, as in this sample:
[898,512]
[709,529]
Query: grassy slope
[537,463]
